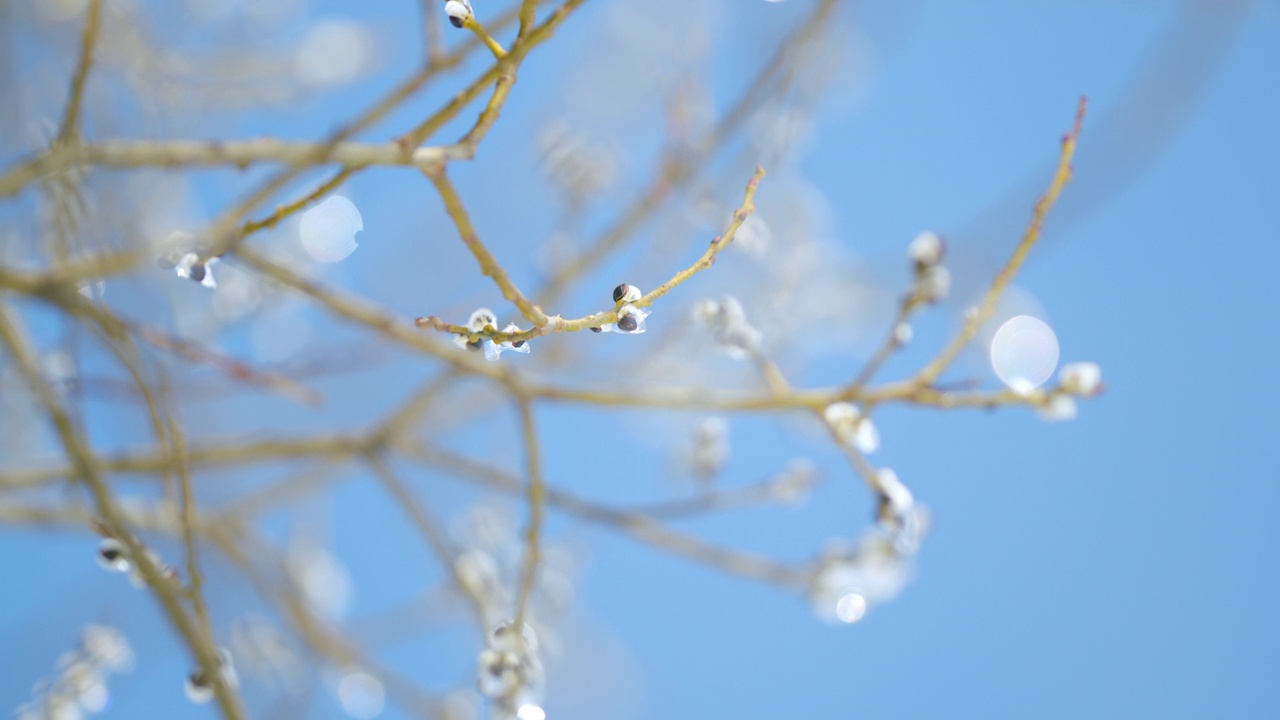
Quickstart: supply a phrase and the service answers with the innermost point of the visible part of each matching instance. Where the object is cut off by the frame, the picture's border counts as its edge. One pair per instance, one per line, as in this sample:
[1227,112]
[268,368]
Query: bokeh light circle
[361,695]
[328,230]
[1024,352]
[851,607]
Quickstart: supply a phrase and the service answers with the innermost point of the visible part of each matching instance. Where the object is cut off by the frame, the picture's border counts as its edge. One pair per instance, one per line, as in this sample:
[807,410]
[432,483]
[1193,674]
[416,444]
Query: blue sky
[1119,565]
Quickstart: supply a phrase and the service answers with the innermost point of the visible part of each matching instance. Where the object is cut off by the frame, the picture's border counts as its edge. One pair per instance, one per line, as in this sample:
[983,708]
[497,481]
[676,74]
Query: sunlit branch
[980,314]
[70,127]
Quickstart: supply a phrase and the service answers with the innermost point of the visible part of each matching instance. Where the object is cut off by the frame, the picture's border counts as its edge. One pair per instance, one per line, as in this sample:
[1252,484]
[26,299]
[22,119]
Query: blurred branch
[680,165]
[429,528]
[240,154]
[86,469]
[641,527]
[52,288]
[70,127]
[536,496]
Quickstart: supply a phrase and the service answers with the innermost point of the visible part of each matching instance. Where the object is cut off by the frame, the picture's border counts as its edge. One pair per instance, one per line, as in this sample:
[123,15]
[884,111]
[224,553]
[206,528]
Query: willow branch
[87,471]
[70,127]
[976,316]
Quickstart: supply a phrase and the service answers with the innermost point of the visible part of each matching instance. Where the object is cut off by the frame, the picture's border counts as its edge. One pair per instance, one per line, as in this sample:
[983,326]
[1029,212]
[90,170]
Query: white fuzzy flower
[926,250]
[726,322]
[874,573]
[934,283]
[1058,406]
[896,501]
[902,333]
[1082,378]
[482,320]
[851,427]
[709,448]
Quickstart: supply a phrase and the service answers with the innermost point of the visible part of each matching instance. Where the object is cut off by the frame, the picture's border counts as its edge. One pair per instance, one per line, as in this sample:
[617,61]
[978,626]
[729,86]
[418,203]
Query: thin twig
[81,455]
[427,525]
[976,316]
[536,496]
[489,264]
[69,130]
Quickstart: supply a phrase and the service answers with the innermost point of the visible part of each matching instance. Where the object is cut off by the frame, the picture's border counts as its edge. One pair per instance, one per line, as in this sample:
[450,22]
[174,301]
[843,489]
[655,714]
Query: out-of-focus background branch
[461,359]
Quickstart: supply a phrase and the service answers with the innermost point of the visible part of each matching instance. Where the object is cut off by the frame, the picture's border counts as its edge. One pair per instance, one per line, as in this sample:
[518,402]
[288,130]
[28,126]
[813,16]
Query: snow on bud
[459,11]
[1082,378]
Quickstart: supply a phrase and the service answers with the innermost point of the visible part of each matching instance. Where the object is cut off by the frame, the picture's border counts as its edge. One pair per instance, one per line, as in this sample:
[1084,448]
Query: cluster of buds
[726,321]
[80,687]
[484,321]
[630,318]
[1082,379]
[932,279]
[875,570]
[113,555]
[852,580]
[199,685]
[851,428]
[510,672]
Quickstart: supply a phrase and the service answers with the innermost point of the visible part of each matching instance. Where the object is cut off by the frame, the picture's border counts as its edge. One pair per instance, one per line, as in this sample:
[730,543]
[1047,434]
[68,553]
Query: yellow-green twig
[980,314]
[70,127]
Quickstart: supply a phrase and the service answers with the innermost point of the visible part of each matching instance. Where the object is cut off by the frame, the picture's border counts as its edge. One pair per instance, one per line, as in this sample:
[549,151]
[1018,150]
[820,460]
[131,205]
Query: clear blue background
[1121,565]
